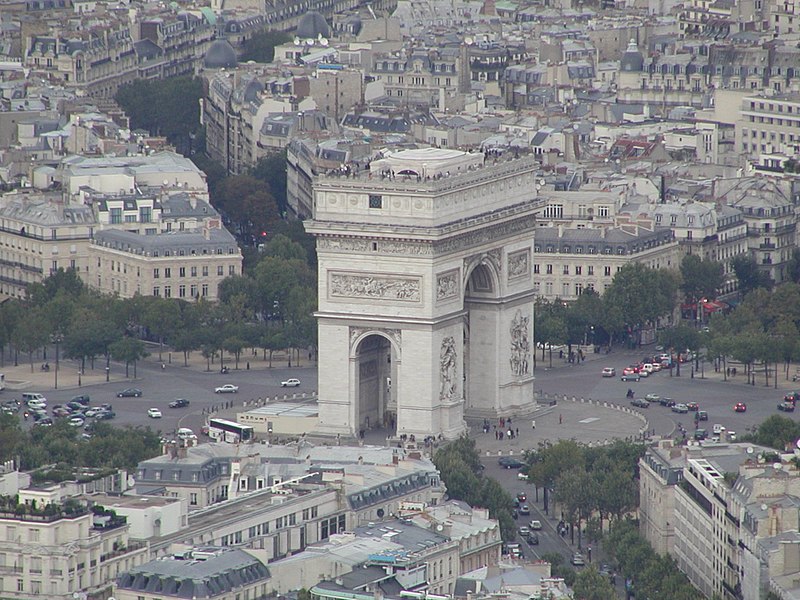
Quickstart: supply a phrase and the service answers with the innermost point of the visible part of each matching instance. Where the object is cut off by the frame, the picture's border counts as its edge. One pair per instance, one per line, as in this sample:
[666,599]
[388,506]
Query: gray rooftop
[212,241]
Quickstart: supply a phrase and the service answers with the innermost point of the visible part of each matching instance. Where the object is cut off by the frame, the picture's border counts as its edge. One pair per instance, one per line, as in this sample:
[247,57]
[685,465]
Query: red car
[739,407]
[692,406]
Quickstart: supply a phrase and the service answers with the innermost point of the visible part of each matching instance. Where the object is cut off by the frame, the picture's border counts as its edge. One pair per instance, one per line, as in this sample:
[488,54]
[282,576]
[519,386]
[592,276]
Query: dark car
[533,539]
[740,407]
[522,496]
[630,377]
[786,406]
[694,406]
[130,393]
[668,402]
[641,403]
[105,415]
[82,399]
[792,397]
[74,407]
[700,434]
[702,415]
[507,462]
[179,403]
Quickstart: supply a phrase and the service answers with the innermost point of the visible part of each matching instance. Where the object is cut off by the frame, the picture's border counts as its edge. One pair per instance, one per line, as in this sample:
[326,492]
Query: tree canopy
[261,47]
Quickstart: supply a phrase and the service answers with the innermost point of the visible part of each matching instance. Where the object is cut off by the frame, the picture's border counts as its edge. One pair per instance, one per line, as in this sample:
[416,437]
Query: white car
[290,383]
[718,429]
[228,388]
[37,404]
[76,422]
[92,412]
[154,413]
[609,372]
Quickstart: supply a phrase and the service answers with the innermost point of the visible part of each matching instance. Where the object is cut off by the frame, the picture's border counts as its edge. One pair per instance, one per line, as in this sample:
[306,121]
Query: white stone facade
[439,268]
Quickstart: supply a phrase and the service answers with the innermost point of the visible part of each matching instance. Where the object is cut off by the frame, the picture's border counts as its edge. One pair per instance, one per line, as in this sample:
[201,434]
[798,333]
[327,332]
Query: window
[156,273]
[193,290]
[375,201]
[182,272]
[536,269]
[156,291]
[578,270]
[194,271]
[116,216]
[607,271]
[231,269]
[193,499]
[167,291]
[549,269]
[182,291]
[220,270]
[167,272]
[204,294]
[566,270]
[590,270]
[205,271]
[145,214]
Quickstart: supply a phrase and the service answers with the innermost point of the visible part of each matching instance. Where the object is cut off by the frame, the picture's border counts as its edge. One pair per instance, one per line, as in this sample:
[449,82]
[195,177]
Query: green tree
[777,432]
[30,334]
[161,316]
[591,585]
[680,338]
[750,276]
[261,47]
[700,278]
[248,204]
[128,350]
[272,170]
[88,336]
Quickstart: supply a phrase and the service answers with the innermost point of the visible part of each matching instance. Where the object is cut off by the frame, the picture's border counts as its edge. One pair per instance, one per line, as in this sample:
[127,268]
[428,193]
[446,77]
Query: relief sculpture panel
[344,285]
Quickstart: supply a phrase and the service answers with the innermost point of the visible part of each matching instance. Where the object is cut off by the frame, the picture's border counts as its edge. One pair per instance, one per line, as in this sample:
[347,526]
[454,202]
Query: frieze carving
[520,345]
[519,264]
[342,285]
[393,334]
[488,234]
[447,285]
[381,247]
[447,369]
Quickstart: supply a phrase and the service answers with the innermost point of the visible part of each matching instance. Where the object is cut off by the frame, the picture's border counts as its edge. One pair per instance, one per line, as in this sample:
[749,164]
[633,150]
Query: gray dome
[312,25]
[220,55]
[632,60]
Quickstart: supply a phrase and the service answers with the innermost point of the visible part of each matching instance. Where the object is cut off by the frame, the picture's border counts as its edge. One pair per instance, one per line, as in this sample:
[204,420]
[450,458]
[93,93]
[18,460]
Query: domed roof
[312,25]
[220,54]
[632,60]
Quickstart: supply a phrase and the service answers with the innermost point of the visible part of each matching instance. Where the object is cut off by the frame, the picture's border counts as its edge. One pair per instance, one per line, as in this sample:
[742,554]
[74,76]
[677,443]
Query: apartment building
[57,550]
[568,261]
[769,125]
[188,265]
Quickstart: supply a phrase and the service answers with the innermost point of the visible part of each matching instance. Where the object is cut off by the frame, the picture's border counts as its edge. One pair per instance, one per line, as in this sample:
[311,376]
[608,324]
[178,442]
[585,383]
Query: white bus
[232,432]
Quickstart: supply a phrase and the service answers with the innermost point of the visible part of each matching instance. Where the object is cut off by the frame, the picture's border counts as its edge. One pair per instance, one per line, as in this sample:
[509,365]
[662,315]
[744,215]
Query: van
[185,433]
[26,396]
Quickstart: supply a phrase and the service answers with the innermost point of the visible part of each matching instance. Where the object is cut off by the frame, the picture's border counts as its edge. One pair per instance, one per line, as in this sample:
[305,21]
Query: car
[643,373]
[535,525]
[228,388]
[37,404]
[509,462]
[680,408]
[522,476]
[92,412]
[630,370]
[82,399]
[693,406]
[290,383]
[656,367]
[609,372]
[179,403]
[61,411]
[44,422]
[740,407]
[9,410]
[74,407]
[130,393]
[630,377]
[38,413]
[154,413]
[700,434]
[702,415]
[533,539]
[792,397]
[77,421]
[522,497]
[717,429]
[608,572]
[731,436]
[652,397]
[786,406]
[640,403]
[577,560]
[647,368]
[524,510]
[524,531]
[105,415]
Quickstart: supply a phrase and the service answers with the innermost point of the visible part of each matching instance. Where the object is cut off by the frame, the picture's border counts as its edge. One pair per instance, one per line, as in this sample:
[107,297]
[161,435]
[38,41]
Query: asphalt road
[159,387]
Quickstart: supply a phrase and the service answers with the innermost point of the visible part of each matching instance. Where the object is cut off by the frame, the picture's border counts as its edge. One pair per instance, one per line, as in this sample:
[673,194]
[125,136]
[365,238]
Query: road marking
[589,420]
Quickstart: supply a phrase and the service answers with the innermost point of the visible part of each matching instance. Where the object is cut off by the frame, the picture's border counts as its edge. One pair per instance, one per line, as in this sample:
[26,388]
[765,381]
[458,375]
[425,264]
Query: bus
[232,432]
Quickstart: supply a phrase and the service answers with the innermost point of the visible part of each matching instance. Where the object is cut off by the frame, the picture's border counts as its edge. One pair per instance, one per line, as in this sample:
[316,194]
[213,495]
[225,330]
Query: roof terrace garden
[11,508]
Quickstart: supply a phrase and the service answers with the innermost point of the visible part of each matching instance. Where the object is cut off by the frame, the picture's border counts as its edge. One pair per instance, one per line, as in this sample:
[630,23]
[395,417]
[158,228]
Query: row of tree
[270,310]
[59,451]
[460,468]
[591,484]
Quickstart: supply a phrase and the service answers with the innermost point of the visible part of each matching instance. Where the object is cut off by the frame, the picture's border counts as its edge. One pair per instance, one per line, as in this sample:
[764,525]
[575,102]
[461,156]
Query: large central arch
[374,360]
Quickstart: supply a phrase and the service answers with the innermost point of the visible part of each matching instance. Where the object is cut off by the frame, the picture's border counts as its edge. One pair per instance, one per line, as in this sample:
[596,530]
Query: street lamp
[56,339]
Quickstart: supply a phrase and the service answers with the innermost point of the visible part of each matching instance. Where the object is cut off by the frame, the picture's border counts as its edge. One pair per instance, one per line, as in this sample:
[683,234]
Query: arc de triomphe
[425,292]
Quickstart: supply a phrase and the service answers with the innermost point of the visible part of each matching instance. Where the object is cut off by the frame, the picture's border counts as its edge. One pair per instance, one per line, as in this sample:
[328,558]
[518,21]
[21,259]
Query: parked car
[105,414]
[154,413]
[290,383]
[680,408]
[630,377]
[740,407]
[77,421]
[82,399]
[228,388]
[640,403]
[786,406]
[92,412]
[130,393]
[609,372]
[179,403]
[577,560]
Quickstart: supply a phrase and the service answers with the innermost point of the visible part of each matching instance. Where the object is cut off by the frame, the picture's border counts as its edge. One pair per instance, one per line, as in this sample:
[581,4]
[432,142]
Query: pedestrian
[511,434]
[560,419]
[533,424]
[517,432]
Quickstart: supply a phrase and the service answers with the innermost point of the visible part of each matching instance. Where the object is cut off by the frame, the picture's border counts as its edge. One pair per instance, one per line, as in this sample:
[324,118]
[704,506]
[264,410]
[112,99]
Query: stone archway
[480,339]
[375,360]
